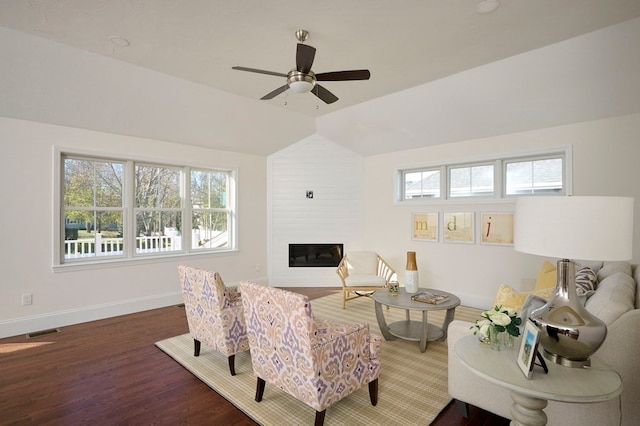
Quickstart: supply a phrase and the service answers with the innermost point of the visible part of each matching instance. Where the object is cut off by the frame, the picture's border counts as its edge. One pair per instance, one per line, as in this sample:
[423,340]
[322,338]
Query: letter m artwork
[424,226]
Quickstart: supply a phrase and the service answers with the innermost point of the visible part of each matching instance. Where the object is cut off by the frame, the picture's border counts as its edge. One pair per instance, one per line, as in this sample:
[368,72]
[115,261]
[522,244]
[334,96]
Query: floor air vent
[43,333]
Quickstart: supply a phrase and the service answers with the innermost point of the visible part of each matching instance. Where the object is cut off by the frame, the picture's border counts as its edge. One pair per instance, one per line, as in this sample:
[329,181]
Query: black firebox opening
[317,255]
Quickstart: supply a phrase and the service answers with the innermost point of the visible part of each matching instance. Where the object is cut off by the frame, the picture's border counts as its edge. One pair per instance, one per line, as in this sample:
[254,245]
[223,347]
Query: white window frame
[470,166]
[403,173]
[499,181]
[534,158]
[129,255]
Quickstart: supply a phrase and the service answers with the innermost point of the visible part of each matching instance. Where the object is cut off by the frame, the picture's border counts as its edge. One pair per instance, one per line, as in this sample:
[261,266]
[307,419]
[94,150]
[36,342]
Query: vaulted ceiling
[440,70]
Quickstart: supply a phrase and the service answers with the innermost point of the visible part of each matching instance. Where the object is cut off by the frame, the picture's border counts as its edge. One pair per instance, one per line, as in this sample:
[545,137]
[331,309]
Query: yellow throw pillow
[546,276]
[509,297]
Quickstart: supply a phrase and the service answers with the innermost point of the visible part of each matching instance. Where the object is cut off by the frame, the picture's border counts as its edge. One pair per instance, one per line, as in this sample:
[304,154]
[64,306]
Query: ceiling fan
[302,80]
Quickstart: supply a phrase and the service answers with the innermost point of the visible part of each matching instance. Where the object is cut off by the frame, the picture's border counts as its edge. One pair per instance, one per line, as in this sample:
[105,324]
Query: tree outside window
[121,208]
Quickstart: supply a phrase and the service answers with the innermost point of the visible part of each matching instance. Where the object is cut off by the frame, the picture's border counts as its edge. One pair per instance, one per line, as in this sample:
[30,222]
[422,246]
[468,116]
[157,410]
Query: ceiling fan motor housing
[300,82]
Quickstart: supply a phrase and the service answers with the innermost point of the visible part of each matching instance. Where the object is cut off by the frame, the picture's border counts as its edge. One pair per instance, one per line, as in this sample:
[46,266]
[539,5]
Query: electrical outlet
[257,267]
[27,299]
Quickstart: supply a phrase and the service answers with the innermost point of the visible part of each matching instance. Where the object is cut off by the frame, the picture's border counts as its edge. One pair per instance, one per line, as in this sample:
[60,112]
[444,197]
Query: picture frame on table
[528,348]
[496,228]
[458,227]
[425,226]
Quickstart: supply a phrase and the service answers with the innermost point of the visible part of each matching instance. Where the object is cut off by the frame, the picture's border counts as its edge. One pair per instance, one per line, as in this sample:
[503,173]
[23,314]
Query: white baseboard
[34,323]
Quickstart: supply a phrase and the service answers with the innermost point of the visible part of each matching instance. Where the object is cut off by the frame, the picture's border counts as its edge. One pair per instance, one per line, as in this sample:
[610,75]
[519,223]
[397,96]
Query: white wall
[334,215]
[353,204]
[49,82]
[26,245]
[605,156]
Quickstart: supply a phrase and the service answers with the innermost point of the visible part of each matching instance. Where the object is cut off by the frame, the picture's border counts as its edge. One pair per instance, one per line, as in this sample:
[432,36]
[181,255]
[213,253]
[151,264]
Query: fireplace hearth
[315,255]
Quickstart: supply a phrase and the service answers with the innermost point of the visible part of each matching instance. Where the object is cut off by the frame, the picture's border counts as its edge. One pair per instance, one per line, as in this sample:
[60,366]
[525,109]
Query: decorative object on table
[394,288]
[586,228]
[429,297]
[411,274]
[459,227]
[528,348]
[507,340]
[495,323]
[424,226]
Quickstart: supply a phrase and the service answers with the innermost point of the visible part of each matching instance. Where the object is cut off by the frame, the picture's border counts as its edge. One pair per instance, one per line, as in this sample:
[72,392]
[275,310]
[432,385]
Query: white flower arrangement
[503,319]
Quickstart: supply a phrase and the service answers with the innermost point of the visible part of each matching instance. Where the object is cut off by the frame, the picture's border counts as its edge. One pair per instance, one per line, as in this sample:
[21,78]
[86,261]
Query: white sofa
[620,350]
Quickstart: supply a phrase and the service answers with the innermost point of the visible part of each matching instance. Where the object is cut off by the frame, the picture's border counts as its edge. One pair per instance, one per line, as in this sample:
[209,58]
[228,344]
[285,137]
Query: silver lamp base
[569,333]
[557,359]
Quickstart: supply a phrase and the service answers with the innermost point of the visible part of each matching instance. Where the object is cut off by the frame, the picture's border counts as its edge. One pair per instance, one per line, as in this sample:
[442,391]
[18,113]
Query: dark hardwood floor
[109,372]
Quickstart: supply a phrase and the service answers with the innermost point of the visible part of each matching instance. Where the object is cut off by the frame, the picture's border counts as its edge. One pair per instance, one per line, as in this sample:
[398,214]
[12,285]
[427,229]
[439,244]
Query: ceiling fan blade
[324,94]
[275,93]
[304,58]
[344,75]
[277,74]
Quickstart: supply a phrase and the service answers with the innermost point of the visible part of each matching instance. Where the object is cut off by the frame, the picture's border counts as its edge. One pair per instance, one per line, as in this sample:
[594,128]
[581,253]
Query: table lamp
[581,228]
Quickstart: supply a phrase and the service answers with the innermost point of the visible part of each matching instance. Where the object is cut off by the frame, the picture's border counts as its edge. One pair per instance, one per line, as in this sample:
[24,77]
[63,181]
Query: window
[93,208]
[542,176]
[157,208]
[210,212]
[422,184]
[471,181]
[127,209]
[545,173]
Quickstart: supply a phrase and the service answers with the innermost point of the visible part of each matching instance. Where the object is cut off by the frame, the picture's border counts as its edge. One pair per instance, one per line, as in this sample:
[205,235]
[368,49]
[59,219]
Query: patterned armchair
[214,313]
[363,272]
[317,361]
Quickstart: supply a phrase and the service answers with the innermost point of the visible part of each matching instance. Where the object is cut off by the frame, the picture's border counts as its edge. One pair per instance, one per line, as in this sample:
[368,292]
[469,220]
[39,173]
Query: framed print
[424,226]
[458,227]
[496,228]
[528,348]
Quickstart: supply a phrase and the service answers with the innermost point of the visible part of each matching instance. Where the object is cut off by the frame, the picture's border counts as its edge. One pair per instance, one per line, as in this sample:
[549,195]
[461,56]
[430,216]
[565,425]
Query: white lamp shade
[585,228]
[301,86]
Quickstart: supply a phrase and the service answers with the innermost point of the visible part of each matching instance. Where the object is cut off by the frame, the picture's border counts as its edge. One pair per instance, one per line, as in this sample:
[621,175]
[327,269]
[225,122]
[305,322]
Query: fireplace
[315,255]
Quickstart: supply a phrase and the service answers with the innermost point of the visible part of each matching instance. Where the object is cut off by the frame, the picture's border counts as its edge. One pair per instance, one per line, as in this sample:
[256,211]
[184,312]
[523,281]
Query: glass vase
[484,338]
[495,338]
[507,340]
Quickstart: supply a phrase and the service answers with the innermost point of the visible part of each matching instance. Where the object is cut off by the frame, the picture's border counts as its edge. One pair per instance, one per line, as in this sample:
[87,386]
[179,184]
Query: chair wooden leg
[320,417]
[232,364]
[196,347]
[259,389]
[373,392]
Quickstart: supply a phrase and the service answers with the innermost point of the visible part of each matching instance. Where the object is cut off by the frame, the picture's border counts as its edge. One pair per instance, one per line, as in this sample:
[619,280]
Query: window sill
[120,262]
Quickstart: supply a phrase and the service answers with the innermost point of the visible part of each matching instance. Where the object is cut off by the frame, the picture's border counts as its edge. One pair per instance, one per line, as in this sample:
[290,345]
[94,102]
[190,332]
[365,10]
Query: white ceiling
[426,46]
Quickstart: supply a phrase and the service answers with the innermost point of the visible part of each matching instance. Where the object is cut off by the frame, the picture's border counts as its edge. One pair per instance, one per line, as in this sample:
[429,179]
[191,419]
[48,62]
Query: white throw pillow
[615,296]
[363,262]
[611,268]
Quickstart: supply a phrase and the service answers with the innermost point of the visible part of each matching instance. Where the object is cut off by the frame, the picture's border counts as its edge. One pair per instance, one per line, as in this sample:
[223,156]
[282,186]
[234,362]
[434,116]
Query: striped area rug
[412,385]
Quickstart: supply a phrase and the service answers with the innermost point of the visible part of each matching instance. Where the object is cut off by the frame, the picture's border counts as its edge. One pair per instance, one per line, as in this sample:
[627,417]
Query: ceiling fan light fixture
[300,82]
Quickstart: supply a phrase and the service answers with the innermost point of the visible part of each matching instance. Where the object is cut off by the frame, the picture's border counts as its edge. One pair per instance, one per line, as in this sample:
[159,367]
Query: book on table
[429,297]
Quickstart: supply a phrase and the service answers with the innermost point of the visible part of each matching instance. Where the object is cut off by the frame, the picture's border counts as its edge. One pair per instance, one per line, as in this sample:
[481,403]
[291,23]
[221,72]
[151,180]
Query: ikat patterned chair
[214,313]
[317,361]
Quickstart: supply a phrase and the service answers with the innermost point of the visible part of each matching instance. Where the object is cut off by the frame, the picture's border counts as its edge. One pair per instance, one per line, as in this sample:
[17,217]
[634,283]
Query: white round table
[581,385]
